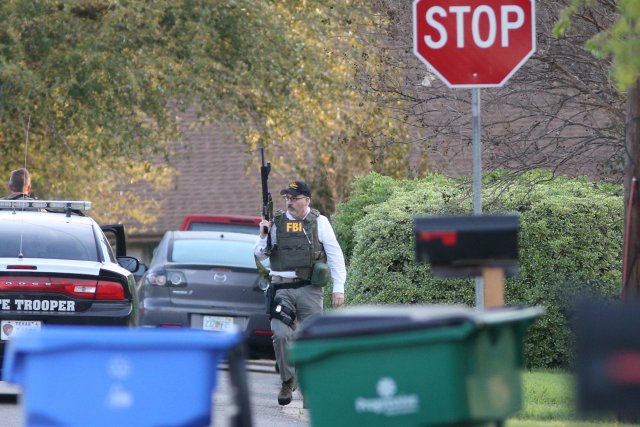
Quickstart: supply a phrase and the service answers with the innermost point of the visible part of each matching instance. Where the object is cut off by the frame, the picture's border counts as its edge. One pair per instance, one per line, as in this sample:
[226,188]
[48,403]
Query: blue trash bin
[112,376]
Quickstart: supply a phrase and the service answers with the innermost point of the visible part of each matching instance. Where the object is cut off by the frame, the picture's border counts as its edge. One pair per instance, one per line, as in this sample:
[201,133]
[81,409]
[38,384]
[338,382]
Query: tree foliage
[100,84]
[620,41]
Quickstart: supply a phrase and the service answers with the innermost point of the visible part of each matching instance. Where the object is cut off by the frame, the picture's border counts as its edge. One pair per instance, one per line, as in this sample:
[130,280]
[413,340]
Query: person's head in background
[20,182]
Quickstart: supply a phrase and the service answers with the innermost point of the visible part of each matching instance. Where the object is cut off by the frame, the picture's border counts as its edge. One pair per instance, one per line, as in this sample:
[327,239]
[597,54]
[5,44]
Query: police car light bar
[19,204]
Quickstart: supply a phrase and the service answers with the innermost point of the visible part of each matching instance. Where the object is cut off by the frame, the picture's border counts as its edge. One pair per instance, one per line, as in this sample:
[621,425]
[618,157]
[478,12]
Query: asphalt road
[263,383]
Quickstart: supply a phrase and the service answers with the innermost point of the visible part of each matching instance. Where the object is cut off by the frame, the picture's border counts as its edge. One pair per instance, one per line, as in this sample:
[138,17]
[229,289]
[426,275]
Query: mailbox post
[493,278]
[470,246]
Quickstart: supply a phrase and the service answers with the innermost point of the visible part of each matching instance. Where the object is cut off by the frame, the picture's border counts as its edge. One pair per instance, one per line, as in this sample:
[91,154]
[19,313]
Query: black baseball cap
[297,188]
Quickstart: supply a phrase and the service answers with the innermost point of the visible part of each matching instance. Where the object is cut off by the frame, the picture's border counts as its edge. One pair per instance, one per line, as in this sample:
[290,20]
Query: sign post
[475,44]
[477,180]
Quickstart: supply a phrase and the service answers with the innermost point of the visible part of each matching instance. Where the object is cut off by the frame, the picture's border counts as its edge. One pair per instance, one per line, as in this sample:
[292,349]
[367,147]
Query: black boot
[286,392]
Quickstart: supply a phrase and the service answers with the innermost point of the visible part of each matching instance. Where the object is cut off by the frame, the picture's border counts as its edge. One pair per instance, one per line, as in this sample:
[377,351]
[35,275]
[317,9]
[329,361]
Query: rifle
[267,201]
[267,213]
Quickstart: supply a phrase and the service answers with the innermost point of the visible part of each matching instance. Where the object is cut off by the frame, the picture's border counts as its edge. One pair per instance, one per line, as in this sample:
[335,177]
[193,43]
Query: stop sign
[474,43]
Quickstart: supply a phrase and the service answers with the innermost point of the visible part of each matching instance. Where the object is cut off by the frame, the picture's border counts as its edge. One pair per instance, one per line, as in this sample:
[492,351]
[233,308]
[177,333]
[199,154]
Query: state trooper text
[37,305]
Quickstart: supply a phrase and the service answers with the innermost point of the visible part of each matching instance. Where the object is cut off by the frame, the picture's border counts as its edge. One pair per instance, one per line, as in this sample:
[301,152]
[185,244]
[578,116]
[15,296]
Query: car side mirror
[130,263]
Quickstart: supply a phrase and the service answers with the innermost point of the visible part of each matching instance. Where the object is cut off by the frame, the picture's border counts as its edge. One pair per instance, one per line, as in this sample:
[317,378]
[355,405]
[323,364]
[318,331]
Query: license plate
[217,323]
[11,328]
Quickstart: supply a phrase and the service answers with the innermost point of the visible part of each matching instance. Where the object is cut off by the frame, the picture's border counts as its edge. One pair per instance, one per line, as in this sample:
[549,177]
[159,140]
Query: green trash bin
[412,365]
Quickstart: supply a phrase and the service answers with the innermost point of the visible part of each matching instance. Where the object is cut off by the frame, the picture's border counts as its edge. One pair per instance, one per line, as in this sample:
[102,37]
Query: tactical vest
[298,247]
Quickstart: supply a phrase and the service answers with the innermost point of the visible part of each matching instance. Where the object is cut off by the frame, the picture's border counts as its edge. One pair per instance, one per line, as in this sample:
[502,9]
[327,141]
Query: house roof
[212,177]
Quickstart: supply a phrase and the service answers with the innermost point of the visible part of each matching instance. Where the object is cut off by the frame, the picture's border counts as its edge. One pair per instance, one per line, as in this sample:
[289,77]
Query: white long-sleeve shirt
[326,236]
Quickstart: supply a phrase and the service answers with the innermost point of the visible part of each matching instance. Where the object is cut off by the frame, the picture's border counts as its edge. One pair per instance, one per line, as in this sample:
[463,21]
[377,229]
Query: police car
[58,267]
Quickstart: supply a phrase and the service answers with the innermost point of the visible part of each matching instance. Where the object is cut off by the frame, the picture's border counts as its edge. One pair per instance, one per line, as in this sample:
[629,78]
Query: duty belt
[280,282]
[281,279]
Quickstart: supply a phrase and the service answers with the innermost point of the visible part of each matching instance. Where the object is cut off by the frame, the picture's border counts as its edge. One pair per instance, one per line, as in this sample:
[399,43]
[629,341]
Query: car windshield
[55,240]
[216,252]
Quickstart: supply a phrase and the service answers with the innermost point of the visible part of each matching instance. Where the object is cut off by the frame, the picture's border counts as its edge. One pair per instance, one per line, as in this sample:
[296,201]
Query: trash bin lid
[55,338]
[383,319]
[378,319]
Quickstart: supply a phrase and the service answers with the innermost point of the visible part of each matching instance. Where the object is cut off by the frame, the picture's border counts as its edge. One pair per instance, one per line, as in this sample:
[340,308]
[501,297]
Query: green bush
[570,244]
[365,191]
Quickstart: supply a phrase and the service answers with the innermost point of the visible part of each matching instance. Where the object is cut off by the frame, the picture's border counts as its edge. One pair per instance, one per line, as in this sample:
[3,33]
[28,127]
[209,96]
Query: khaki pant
[305,302]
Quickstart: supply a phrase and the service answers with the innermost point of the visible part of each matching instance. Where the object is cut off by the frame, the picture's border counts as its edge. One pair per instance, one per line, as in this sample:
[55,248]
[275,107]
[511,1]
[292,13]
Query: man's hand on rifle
[265,224]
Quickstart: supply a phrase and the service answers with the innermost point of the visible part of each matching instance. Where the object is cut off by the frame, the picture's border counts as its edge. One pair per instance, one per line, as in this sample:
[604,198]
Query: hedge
[570,245]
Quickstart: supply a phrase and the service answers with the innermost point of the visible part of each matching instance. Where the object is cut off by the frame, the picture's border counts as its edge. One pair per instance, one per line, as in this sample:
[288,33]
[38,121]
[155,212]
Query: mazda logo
[219,277]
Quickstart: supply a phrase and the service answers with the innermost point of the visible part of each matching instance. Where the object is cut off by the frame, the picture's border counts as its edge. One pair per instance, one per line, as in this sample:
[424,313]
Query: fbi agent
[304,253]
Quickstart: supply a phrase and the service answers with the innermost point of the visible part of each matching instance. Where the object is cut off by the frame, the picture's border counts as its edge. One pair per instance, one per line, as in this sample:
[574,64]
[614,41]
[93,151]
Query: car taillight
[156,279]
[76,288]
[108,290]
[90,289]
[166,278]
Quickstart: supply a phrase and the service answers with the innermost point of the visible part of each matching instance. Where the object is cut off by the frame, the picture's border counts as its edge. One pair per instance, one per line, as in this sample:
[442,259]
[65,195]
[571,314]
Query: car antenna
[26,141]
[26,150]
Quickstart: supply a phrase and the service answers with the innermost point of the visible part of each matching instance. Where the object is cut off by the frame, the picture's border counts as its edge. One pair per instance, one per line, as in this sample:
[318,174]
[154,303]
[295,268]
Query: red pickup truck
[230,223]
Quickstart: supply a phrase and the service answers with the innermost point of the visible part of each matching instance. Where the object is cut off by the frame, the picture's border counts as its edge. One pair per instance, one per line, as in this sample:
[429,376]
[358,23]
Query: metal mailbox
[464,245]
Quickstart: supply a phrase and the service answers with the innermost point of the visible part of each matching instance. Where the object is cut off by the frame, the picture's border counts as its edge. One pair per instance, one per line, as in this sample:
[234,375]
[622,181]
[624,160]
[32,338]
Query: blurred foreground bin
[110,376]
[412,365]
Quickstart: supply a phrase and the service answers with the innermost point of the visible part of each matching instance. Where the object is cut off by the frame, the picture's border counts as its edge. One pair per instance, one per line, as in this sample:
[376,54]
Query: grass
[549,402]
